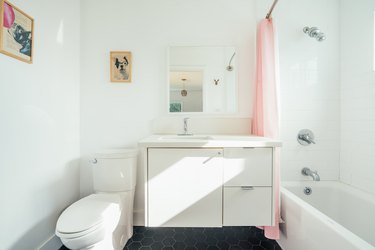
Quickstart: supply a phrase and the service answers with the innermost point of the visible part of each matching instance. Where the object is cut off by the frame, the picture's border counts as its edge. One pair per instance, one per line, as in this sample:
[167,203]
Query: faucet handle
[310,138]
[306,137]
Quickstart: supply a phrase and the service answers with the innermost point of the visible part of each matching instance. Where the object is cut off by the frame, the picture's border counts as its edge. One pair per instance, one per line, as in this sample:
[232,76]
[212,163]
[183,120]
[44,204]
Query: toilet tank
[114,170]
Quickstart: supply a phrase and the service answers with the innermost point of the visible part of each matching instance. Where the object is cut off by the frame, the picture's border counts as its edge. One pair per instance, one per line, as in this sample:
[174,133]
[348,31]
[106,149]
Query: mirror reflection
[202,79]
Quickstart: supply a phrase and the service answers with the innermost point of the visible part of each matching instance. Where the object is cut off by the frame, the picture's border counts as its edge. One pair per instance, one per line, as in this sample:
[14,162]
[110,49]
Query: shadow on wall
[55,197]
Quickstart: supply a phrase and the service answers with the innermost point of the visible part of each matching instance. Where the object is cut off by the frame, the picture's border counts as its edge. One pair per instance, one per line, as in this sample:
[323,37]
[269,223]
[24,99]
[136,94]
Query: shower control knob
[306,137]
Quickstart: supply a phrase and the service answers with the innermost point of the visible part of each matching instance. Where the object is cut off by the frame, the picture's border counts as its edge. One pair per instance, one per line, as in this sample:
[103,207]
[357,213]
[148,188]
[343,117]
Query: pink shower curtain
[266,107]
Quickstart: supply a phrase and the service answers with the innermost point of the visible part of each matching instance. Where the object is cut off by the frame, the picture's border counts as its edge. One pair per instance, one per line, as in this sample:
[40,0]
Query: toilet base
[124,230]
[109,241]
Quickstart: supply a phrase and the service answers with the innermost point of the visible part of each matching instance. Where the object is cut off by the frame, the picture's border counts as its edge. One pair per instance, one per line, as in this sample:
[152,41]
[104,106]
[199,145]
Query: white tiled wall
[310,86]
[328,87]
[357,94]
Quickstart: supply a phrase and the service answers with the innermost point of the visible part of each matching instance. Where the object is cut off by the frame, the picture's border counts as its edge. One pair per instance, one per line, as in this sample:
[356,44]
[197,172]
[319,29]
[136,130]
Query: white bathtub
[334,216]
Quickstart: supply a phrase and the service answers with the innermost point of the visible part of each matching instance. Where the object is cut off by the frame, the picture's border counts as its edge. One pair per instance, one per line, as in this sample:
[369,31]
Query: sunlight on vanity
[208,180]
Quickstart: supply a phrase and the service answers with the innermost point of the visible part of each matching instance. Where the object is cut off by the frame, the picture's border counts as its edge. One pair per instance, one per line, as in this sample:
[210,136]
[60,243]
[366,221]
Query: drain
[307,190]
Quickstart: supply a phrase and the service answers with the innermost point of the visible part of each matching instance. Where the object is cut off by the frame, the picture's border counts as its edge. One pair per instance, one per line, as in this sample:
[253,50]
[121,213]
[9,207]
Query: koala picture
[120,66]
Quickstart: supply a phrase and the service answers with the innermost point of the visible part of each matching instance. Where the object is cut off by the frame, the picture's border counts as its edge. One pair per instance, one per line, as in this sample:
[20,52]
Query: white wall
[357,94]
[117,115]
[309,86]
[39,127]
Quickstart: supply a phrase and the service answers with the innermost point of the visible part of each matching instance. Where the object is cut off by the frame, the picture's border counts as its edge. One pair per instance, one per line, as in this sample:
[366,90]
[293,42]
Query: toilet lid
[90,212]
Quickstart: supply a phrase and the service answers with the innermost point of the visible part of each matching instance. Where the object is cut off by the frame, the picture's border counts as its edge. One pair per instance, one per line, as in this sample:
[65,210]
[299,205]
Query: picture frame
[16,32]
[121,66]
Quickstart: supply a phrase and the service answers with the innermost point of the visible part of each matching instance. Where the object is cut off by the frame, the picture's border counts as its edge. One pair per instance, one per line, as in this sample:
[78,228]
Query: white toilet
[103,220]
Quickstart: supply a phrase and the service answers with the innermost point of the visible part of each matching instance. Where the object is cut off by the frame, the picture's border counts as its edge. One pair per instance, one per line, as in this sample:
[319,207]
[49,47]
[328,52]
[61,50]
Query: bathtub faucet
[313,174]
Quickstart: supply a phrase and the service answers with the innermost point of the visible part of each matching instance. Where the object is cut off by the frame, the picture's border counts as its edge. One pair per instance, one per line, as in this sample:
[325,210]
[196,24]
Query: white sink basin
[186,137]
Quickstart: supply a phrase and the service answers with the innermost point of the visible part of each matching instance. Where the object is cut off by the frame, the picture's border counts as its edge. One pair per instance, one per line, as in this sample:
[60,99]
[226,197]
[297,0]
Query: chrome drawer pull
[247,187]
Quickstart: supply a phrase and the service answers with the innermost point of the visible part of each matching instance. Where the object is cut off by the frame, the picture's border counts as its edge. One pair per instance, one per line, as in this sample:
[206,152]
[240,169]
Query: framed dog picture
[121,66]
[16,32]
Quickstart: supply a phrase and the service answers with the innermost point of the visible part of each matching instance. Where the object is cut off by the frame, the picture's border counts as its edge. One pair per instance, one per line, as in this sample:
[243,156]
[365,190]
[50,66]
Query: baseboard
[53,243]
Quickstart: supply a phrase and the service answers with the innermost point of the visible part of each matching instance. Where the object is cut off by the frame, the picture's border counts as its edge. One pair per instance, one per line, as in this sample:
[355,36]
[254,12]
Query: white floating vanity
[208,181]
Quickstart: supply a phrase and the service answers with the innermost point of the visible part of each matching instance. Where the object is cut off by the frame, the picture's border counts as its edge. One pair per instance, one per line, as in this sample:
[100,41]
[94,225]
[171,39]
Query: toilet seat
[95,212]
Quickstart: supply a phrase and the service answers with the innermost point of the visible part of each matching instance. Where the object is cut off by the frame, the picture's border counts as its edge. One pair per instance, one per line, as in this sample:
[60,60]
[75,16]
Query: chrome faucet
[186,126]
[309,172]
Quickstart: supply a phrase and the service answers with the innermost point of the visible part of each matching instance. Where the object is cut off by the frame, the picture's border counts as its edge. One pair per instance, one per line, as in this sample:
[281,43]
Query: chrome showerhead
[315,33]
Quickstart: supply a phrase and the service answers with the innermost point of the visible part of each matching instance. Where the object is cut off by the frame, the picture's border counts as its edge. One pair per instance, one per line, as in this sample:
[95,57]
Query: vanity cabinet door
[248,167]
[185,187]
[247,206]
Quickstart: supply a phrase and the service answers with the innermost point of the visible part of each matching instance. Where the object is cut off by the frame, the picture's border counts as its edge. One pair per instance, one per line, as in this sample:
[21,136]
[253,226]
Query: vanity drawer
[247,206]
[248,167]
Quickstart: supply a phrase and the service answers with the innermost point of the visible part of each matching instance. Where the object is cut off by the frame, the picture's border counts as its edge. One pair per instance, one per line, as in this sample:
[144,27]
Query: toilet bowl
[103,220]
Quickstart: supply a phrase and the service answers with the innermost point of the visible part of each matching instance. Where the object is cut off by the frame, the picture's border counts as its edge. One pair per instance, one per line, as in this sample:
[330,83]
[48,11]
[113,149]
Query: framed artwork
[16,32]
[121,66]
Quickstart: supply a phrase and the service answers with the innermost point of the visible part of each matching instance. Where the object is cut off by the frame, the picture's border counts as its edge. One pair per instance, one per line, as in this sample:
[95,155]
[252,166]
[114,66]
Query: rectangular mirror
[202,79]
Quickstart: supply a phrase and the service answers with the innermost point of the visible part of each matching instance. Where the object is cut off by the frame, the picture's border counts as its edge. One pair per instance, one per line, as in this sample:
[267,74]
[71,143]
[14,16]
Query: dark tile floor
[232,238]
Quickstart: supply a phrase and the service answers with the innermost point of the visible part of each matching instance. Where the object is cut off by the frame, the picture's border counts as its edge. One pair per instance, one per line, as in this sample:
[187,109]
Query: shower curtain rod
[271,9]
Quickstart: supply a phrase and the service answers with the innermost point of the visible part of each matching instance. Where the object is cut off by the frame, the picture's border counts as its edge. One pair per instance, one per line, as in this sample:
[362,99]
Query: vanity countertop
[208,141]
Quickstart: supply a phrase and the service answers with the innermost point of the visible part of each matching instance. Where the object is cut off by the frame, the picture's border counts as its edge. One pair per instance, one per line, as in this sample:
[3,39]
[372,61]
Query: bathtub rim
[338,184]
[332,224]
